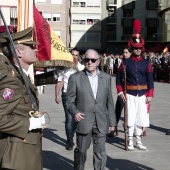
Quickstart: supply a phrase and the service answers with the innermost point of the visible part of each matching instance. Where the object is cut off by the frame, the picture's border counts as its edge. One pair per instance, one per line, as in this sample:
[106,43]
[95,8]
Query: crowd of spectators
[110,63]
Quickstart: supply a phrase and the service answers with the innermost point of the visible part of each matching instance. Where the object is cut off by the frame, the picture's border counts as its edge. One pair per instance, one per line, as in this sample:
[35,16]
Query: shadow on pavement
[160,129]
[121,164]
[51,135]
[53,161]
[116,141]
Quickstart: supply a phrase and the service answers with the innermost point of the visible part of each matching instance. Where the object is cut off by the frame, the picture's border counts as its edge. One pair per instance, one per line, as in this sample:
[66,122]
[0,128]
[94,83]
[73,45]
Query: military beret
[22,37]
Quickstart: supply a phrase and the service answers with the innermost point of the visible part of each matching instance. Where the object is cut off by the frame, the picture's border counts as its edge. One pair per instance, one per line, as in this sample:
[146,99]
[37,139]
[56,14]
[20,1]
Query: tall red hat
[136,40]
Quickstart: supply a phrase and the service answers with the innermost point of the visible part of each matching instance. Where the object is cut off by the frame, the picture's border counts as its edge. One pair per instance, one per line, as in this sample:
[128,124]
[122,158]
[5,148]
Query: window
[56,17]
[82,4]
[75,3]
[93,3]
[13,16]
[152,5]
[79,3]
[111,32]
[111,36]
[152,22]
[127,31]
[128,13]
[88,19]
[81,22]
[56,1]
[93,19]
[40,1]
[47,17]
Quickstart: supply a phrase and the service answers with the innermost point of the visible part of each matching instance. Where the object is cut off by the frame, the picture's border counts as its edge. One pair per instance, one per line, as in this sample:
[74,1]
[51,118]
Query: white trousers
[137,111]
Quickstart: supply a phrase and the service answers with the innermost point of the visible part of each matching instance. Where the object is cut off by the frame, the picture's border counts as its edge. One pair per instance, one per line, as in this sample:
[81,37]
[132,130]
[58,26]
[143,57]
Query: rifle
[125,112]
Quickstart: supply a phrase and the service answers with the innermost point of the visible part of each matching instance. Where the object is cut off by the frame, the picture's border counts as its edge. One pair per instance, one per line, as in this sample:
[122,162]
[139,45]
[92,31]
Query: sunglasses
[93,60]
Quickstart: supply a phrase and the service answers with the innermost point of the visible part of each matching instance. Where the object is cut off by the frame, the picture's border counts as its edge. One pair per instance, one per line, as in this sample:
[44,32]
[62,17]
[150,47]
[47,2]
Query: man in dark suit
[20,134]
[89,100]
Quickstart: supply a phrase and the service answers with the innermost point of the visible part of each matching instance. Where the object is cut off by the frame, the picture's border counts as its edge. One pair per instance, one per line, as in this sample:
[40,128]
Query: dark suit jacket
[80,98]
[19,149]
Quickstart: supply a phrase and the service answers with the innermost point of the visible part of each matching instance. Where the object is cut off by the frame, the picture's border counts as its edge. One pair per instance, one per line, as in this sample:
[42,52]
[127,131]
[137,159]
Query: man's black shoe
[69,146]
[168,132]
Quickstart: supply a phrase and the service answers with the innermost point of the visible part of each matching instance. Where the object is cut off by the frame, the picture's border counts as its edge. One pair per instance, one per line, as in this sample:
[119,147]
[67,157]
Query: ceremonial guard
[139,88]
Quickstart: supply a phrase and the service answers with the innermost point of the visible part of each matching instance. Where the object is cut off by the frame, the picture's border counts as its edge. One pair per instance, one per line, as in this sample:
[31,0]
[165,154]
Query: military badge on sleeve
[8,93]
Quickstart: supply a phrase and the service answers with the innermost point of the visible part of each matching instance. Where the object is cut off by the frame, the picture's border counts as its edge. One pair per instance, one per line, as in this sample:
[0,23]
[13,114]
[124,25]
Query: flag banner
[51,50]
[25,14]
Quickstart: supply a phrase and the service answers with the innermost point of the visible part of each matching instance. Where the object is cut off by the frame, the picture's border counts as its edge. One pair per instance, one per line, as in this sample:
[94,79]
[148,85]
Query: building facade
[108,24]
[85,24]
[56,14]
[9,10]
[121,15]
[164,13]
[104,25]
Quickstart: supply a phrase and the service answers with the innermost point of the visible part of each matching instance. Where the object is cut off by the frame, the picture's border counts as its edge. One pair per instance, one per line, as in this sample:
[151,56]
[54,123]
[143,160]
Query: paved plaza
[157,157]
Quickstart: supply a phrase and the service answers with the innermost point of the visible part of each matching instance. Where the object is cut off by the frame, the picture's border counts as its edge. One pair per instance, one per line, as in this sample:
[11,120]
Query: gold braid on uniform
[55,63]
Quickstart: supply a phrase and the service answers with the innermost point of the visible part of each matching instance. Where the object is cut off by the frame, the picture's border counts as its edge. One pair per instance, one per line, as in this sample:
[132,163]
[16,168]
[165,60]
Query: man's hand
[123,97]
[57,99]
[111,129]
[148,99]
[78,117]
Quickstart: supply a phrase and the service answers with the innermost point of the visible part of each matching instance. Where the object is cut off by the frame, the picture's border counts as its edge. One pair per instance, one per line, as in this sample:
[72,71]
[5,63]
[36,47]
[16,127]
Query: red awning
[157,48]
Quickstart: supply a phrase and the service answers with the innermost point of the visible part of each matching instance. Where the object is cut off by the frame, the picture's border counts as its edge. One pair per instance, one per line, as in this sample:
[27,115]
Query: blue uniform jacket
[138,72]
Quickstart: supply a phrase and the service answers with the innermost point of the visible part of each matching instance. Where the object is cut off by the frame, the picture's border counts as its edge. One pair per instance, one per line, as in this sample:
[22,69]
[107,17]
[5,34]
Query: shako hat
[136,40]
[21,37]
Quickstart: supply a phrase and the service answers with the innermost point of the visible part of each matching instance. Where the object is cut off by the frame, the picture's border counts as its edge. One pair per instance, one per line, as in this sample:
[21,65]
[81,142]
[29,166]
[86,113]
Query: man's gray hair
[92,50]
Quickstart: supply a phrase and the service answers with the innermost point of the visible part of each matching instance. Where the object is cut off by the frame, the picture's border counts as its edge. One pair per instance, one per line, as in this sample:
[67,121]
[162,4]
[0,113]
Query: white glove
[36,123]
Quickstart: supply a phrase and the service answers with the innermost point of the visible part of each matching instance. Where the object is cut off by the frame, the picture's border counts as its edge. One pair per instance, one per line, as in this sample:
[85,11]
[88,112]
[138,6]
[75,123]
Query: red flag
[50,45]
[43,36]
